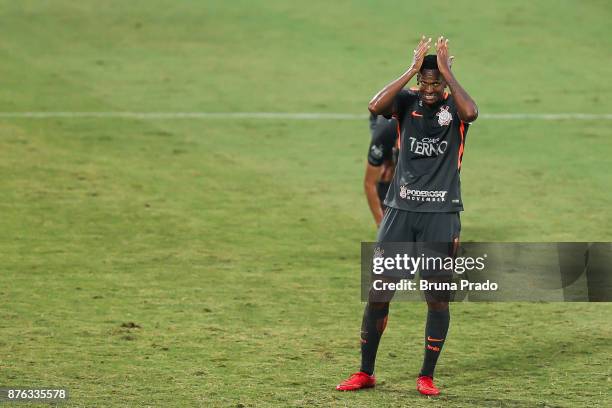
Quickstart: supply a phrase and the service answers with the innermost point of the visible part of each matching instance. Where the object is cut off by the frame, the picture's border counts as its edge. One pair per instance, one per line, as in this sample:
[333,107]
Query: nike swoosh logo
[432,339]
[416,114]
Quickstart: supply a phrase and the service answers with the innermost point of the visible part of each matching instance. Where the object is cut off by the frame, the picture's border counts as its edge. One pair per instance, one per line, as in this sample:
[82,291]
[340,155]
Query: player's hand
[444,61]
[419,53]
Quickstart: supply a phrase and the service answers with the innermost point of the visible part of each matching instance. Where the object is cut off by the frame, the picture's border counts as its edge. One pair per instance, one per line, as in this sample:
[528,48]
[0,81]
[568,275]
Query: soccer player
[424,199]
[382,157]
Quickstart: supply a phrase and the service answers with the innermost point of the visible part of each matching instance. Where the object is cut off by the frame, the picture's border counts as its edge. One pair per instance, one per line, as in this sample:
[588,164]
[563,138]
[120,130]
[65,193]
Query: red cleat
[426,386]
[357,381]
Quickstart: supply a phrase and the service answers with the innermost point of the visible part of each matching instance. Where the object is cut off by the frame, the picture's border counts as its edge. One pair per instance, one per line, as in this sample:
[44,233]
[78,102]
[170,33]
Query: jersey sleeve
[383,140]
[402,102]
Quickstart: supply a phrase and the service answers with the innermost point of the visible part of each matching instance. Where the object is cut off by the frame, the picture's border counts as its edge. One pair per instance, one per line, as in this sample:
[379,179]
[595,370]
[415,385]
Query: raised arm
[382,102]
[466,107]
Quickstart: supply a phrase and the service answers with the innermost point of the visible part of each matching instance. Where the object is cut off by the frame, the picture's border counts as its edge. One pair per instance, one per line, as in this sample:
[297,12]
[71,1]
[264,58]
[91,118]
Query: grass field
[233,245]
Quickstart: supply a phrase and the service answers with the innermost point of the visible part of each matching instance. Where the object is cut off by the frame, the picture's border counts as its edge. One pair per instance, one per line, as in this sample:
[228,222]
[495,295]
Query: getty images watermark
[432,266]
[493,272]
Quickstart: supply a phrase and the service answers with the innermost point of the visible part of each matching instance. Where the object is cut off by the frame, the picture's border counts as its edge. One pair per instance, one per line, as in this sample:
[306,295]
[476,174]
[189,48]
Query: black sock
[372,327]
[435,334]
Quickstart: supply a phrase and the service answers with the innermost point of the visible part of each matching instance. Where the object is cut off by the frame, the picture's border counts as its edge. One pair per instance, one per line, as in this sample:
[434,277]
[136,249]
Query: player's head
[430,81]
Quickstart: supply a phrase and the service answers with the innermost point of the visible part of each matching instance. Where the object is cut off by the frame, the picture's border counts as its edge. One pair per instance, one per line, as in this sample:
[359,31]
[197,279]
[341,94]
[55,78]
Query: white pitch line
[185,115]
[281,115]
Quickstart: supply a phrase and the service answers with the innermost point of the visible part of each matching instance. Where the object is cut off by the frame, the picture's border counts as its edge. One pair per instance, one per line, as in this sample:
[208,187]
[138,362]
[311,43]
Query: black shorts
[408,226]
[421,234]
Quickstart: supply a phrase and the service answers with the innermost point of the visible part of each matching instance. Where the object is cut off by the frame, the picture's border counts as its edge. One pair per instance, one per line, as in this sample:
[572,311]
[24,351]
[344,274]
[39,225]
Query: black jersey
[431,149]
[384,140]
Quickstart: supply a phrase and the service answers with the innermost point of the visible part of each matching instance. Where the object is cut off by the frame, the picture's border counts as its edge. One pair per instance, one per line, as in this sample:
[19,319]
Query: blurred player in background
[382,157]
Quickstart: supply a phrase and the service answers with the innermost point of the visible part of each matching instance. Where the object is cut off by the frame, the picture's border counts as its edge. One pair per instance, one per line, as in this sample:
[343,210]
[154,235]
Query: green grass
[234,245]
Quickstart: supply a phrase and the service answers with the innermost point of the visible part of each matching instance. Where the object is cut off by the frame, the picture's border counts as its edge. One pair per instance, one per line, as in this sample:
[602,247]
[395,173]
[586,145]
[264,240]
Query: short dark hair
[430,62]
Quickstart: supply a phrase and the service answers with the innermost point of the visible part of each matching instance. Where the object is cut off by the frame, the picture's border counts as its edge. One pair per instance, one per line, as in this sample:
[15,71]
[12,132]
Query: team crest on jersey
[444,116]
